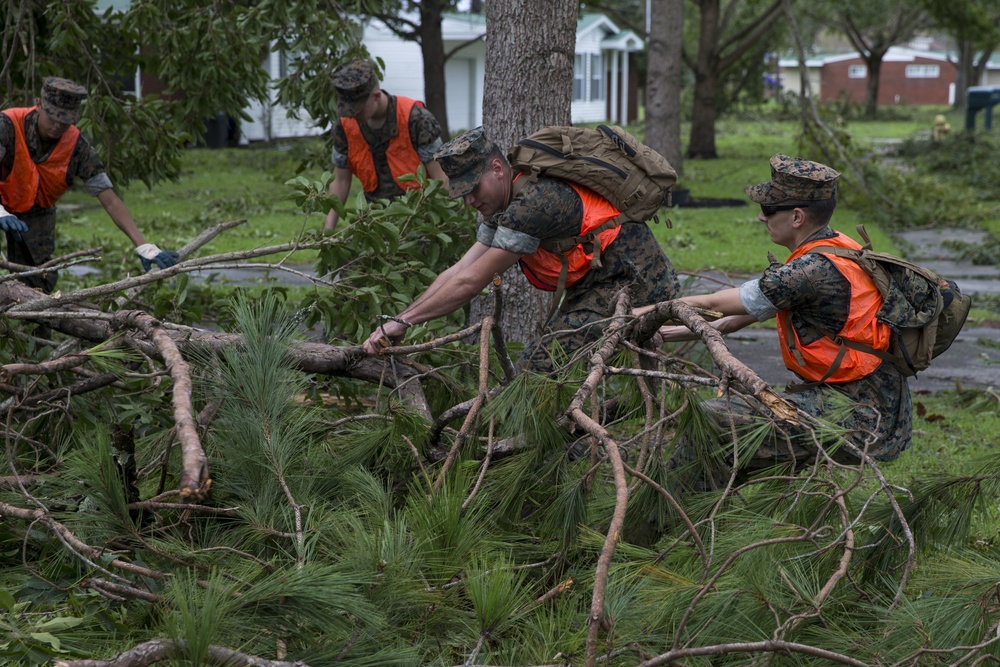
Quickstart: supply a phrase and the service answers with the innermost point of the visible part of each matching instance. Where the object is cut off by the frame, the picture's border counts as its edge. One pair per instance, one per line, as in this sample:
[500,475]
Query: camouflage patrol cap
[463,160]
[61,99]
[795,179]
[354,82]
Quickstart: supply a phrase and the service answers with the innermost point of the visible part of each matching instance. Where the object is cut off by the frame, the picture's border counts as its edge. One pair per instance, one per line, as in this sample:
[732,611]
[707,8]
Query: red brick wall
[894,87]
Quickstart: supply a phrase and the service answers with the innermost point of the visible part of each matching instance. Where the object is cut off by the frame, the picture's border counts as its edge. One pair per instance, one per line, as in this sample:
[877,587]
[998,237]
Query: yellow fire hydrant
[941,127]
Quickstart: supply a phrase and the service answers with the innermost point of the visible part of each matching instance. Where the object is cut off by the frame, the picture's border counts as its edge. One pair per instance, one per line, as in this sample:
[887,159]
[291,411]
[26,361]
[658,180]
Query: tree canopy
[207,54]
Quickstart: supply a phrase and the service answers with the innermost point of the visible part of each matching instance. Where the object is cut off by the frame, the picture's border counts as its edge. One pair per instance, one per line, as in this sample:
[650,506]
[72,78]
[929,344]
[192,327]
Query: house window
[282,64]
[578,78]
[923,71]
[857,71]
[596,77]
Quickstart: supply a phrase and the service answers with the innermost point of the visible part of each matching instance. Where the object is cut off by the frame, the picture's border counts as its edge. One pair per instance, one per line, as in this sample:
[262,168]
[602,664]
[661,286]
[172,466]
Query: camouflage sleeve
[485,234]
[97,184]
[85,163]
[755,302]
[543,209]
[6,143]
[339,153]
[425,133]
[812,288]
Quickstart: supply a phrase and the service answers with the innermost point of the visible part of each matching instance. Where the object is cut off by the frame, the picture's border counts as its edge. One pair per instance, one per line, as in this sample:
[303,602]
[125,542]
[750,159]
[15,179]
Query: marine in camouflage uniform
[360,98]
[874,411]
[58,109]
[518,215]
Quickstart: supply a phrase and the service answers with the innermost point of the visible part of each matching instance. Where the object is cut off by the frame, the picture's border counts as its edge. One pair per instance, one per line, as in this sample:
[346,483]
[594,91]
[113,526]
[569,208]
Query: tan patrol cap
[61,99]
[795,179]
[354,82]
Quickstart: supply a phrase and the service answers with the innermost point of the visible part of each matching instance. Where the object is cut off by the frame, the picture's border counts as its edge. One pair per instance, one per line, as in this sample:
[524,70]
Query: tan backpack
[608,160]
[925,311]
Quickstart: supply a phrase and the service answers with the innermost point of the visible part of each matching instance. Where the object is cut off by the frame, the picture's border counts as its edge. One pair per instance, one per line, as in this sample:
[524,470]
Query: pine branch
[158,650]
[195,481]
[480,400]
[777,647]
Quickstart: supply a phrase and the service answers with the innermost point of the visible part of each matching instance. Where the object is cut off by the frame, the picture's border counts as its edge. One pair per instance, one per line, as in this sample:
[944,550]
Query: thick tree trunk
[964,72]
[432,49]
[529,85]
[663,80]
[969,69]
[704,111]
[874,63]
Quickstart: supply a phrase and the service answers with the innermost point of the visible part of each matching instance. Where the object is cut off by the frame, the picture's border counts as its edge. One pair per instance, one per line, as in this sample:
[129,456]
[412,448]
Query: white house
[604,84]
[601,72]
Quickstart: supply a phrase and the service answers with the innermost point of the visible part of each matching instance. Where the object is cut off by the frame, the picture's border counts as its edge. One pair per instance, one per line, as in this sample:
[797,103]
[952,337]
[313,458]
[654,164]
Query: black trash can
[217,131]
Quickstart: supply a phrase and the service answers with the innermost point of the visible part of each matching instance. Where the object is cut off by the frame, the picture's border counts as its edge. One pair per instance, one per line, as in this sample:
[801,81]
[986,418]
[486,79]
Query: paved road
[967,361]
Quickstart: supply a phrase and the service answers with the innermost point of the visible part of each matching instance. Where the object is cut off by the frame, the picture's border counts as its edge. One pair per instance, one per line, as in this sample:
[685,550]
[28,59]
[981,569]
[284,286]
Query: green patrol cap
[795,179]
[354,82]
[463,160]
[61,99]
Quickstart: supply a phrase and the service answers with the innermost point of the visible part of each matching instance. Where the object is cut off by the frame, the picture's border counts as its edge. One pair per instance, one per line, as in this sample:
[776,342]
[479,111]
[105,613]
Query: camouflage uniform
[354,82]
[550,209]
[874,411]
[60,99]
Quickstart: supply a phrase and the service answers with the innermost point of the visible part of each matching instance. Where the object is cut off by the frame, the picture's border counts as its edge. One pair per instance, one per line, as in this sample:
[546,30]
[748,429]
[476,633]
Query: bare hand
[675,333]
[385,335]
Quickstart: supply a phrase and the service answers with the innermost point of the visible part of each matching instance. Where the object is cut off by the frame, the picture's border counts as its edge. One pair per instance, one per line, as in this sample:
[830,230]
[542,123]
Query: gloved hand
[11,223]
[149,254]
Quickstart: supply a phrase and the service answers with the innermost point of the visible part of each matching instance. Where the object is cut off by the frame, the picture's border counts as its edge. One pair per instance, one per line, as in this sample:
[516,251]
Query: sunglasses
[770,209]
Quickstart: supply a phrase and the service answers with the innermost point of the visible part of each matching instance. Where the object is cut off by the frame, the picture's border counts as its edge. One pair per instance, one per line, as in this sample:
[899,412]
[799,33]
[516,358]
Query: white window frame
[579,78]
[923,71]
[595,76]
[857,71]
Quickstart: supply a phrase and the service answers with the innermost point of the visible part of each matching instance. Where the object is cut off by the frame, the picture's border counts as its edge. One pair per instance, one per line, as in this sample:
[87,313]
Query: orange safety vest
[30,183]
[542,267]
[815,361]
[401,154]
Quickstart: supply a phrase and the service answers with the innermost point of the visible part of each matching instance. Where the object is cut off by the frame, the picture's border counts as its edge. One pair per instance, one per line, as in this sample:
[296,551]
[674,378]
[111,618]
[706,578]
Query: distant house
[605,82]
[907,76]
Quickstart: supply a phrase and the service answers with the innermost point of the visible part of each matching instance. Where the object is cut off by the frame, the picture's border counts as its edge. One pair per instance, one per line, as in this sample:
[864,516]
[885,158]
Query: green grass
[949,433]
[731,239]
[215,186]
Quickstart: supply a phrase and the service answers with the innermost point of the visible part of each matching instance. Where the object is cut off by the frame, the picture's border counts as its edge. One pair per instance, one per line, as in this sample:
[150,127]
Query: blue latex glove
[149,255]
[11,223]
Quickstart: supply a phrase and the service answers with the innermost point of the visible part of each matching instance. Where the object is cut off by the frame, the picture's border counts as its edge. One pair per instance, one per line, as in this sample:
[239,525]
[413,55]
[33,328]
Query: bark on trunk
[874,63]
[529,84]
[663,81]
[432,49]
[706,73]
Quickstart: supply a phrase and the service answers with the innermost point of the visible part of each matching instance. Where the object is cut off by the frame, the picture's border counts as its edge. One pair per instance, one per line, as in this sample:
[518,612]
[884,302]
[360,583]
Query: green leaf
[60,623]
[47,638]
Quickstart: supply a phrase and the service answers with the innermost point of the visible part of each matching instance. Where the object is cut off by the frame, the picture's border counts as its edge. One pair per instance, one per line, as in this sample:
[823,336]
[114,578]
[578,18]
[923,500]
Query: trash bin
[217,131]
[980,97]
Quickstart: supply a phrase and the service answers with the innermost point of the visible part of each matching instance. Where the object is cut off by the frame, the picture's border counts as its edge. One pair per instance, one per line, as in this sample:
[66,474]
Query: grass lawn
[215,186]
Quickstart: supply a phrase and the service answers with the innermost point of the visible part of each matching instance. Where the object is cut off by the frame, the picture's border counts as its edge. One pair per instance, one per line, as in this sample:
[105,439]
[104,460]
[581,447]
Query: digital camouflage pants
[634,261]
[874,413]
[35,247]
